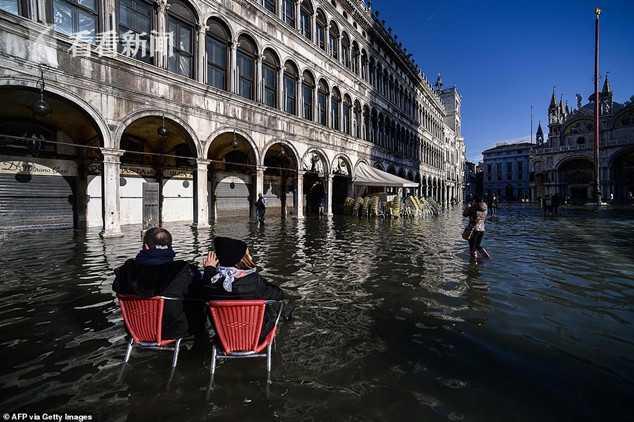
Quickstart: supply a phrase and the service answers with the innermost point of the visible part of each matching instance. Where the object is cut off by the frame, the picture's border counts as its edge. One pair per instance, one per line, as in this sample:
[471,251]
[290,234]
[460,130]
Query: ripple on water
[391,319]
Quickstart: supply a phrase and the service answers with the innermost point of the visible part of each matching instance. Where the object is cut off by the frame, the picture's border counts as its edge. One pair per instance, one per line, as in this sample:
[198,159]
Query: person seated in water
[231,274]
[155,272]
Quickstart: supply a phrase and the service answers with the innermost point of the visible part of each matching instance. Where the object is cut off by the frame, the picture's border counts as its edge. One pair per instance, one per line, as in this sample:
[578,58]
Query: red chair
[143,318]
[238,325]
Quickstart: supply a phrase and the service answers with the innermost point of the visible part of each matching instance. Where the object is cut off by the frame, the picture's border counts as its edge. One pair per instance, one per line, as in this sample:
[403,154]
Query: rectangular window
[321,103]
[135,19]
[305,25]
[334,114]
[498,170]
[289,12]
[290,95]
[181,61]
[269,78]
[74,16]
[509,171]
[270,5]
[216,63]
[308,102]
[520,170]
[11,6]
[321,37]
[245,68]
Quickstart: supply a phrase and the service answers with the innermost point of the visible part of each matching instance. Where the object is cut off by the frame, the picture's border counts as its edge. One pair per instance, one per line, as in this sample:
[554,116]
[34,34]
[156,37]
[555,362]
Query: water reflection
[392,320]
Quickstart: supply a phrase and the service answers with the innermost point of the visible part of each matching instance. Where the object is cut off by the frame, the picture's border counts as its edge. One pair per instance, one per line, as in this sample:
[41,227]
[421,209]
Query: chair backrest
[238,323]
[143,316]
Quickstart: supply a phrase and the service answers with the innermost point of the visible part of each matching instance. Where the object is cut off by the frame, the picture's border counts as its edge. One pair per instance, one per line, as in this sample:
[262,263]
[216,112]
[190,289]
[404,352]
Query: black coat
[250,287]
[177,279]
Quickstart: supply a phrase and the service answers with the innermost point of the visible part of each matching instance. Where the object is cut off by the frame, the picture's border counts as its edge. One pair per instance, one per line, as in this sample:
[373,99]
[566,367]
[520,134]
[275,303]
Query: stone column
[327,38]
[298,97]
[111,201]
[201,58]
[259,95]
[329,195]
[280,88]
[299,195]
[329,121]
[259,189]
[234,67]
[297,14]
[213,214]
[201,194]
[161,27]
[315,104]
[313,27]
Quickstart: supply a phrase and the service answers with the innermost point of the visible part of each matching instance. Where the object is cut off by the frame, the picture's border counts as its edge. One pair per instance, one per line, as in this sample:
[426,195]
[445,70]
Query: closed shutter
[35,201]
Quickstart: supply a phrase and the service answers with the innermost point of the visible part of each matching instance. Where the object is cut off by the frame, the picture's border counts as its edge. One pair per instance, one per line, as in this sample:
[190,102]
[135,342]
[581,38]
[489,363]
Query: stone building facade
[563,163]
[506,171]
[214,102]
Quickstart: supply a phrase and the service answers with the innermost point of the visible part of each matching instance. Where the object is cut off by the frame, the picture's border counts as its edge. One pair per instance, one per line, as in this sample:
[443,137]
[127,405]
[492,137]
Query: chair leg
[268,360]
[129,351]
[176,350]
[213,359]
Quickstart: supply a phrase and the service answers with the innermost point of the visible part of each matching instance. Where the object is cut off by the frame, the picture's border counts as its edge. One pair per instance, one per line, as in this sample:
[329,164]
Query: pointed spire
[439,82]
[607,88]
[553,101]
[540,131]
[567,108]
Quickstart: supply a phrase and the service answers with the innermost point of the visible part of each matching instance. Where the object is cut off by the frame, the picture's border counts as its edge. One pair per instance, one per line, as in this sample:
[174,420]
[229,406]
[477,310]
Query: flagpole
[597,110]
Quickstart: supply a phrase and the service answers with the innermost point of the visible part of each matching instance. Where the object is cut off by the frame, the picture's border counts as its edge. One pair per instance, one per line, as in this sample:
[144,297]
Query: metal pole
[597,110]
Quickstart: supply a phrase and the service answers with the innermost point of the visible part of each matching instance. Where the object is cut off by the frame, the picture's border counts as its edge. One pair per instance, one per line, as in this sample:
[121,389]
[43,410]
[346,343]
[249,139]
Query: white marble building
[562,163]
[217,102]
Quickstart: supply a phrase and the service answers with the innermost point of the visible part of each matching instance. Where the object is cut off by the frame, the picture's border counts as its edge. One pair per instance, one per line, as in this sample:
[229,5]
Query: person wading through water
[260,208]
[477,213]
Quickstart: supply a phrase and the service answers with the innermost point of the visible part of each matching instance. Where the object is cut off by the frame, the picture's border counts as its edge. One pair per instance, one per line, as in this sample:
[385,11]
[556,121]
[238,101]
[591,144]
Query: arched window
[364,65]
[355,57]
[335,106]
[181,21]
[306,14]
[72,16]
[357,120]
[321,29]
[271,5]
[291,76]
[270,69]
[372,72]
[218,39]
[322,102]
[289,12]
[245,67]
[135,20]
[333,42]
[347,114]
[345,50]
[308,93]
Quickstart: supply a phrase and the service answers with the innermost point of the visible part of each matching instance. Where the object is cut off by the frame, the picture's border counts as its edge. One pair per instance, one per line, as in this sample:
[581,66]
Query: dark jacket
[177,279]
[477,213]
[250,287]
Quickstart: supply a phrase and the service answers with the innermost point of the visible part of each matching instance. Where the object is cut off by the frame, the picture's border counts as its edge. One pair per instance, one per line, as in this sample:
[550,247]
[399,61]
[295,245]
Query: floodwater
[392,322]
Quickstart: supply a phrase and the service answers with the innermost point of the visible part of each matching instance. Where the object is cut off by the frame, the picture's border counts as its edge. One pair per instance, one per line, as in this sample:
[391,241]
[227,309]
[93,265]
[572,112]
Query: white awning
[369,176]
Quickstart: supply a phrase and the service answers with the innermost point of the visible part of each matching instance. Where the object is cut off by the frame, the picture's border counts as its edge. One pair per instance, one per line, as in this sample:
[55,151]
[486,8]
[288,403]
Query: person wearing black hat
[231,274]
[155,272]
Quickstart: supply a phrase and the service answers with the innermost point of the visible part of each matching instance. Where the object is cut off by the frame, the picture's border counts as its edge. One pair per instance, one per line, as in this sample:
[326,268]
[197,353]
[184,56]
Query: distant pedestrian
[477,213]
[494,204]
[548,205]
[260,208]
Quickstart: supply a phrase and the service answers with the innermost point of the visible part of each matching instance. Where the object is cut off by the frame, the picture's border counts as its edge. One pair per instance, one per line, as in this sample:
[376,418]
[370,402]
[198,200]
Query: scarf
[230,274]
[155,256]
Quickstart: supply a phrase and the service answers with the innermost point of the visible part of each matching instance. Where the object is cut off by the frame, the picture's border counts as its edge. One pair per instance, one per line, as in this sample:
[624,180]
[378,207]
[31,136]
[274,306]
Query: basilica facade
[563,162]
[200,106]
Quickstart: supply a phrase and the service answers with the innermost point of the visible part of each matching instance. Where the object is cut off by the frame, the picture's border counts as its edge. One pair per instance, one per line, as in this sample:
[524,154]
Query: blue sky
[504,55]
